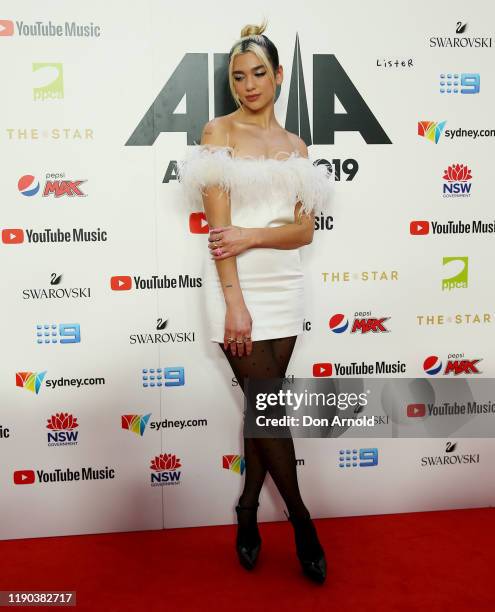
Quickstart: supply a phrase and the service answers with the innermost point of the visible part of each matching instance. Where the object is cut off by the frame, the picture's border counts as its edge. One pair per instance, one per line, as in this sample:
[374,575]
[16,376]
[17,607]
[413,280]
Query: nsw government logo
[457,185]
[62,426]
[165,470]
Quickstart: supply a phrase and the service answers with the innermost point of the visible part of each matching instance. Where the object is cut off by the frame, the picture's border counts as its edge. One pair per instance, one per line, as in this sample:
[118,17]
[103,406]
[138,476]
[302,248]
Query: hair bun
[253,30]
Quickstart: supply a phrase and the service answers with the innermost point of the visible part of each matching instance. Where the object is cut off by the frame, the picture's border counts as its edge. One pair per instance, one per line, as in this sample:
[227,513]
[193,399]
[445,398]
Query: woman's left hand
[229,241]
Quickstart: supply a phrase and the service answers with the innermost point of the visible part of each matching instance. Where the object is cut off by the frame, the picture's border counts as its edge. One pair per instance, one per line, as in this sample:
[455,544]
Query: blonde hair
[252,40]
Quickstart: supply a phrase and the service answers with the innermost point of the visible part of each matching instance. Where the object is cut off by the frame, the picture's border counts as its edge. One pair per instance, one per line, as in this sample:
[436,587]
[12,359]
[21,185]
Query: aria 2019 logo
[190,79]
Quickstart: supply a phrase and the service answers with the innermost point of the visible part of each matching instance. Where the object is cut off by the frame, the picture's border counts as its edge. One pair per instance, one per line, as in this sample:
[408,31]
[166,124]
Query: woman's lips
[251,98]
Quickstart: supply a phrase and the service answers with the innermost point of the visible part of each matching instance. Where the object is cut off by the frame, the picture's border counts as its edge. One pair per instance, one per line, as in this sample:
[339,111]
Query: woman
[258,189]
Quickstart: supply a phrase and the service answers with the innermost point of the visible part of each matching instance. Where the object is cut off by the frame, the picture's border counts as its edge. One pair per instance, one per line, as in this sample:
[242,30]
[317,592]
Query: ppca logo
[460,279]
[49,81]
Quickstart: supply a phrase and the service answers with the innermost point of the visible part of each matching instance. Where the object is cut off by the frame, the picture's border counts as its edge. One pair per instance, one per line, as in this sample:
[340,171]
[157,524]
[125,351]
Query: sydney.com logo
[32,381]
[432,130]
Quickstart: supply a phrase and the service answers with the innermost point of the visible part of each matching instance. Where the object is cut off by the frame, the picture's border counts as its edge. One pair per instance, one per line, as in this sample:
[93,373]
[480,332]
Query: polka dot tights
[269,359]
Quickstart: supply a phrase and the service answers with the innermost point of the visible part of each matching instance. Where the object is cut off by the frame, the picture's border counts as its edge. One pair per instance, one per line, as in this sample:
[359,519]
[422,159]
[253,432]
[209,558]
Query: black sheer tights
[269,359]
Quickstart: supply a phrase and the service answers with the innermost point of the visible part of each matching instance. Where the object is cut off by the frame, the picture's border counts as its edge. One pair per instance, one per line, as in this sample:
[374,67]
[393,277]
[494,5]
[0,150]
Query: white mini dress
[263,193]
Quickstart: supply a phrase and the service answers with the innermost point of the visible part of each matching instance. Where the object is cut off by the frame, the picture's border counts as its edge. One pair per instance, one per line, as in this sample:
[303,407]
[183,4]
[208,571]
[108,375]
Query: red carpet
[432,561]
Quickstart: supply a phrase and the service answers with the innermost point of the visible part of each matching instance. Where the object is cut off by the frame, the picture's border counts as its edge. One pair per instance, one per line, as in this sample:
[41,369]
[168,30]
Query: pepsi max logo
[28,185]
[362,322]
[56,185]
[338,323]
[432,365]
[455,365]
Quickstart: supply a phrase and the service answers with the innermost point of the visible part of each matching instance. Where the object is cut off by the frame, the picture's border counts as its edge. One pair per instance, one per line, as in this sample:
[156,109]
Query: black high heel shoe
[309,551]
[248,542]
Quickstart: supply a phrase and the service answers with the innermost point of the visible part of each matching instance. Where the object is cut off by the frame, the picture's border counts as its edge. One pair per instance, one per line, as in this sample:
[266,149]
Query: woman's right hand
[238,325]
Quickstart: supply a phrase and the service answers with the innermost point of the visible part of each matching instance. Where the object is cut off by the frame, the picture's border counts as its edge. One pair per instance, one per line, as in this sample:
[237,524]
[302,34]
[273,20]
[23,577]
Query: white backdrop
[116,110]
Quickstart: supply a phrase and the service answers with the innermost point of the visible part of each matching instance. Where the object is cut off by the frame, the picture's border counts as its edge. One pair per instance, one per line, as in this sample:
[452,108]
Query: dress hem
[268,335]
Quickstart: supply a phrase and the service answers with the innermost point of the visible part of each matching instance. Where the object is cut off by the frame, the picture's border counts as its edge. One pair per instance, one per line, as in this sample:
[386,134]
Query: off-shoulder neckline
[214,149]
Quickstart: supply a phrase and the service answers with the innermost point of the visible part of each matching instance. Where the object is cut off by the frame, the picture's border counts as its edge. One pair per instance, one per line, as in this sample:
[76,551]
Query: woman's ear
[279,75]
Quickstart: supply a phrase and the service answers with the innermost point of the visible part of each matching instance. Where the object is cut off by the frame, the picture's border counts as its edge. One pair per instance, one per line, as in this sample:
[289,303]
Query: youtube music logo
[198,223]
[121,283]
[416,410]
[322,369]
[12,236]
[6,27]
[24,477]
[419,228]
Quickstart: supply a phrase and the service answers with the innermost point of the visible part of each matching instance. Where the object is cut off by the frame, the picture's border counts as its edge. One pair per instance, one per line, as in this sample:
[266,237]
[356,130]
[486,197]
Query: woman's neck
[264,118]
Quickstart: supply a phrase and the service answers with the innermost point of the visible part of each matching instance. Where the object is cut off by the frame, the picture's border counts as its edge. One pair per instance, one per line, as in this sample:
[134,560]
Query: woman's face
[252,81]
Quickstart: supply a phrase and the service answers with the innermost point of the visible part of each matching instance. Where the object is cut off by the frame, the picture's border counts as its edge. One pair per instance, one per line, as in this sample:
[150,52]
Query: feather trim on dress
[296,178]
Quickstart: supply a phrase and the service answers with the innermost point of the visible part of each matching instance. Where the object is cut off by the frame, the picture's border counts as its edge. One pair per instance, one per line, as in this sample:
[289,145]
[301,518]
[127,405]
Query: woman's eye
[258,74]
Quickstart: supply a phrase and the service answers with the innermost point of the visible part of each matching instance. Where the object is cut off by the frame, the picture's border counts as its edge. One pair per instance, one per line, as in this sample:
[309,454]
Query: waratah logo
[431,130]
[457,173]
[62,421]
[165,462]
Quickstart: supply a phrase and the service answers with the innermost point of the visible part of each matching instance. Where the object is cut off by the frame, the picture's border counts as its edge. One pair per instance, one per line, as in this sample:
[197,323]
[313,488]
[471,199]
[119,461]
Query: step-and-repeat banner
[118,413]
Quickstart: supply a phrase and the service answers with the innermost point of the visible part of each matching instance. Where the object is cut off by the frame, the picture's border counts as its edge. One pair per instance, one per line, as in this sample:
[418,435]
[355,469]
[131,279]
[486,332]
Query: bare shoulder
[217,132]
[298,144]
